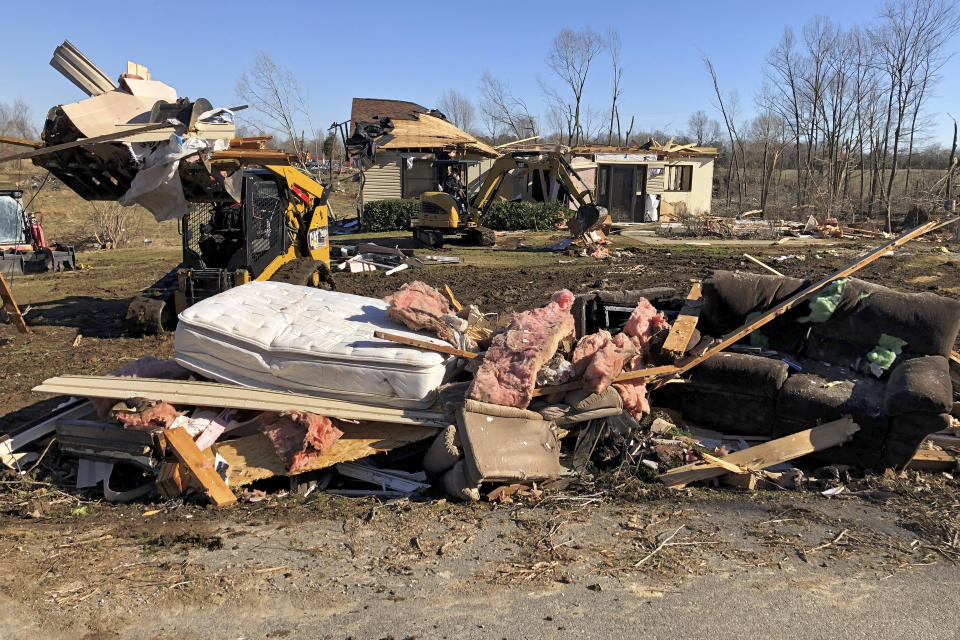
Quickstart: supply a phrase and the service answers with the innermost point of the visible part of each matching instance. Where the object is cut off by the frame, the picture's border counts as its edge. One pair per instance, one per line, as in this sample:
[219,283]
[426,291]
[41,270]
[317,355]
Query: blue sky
[416,51]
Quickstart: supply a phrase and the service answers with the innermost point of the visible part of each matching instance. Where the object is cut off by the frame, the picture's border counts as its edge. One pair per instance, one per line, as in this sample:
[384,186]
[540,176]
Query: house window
[679,177]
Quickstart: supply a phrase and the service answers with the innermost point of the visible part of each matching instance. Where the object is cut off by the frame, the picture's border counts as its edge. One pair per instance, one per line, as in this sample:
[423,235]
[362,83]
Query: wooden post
[6,296]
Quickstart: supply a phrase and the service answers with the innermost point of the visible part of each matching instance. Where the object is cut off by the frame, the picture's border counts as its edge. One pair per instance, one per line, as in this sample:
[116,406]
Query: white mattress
[282,336]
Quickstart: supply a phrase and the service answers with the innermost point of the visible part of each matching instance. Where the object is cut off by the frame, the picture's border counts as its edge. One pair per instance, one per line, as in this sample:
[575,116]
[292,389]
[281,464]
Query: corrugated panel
[382,181]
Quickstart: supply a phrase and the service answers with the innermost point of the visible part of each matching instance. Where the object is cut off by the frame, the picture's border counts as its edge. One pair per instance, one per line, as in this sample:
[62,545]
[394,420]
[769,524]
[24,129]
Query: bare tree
[910,41]
[113,224]
[273,93]
[458,109]
[738,156]
[570,58]
[503,110]
[614,46]
[703,129]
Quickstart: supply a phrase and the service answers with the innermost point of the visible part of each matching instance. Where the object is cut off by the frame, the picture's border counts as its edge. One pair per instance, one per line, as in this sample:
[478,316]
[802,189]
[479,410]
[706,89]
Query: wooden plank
[722,463]
[200,466]
[650,372]
[932,460]
[20,142]
[763,264]
[767,454]
[799,297]
[423,344]
[254,458]
[678,340]
[107,137]
[453,299]
[6,296]
[215,394]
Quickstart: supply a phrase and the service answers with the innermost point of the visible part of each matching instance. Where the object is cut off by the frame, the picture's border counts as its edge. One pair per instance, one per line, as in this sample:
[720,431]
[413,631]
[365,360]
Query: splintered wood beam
[932,460]
[682,330]
[797,298]
[214,487]
[453,300]
[423,344]
[767,454]
[254,458]
[763,264]
[6,296]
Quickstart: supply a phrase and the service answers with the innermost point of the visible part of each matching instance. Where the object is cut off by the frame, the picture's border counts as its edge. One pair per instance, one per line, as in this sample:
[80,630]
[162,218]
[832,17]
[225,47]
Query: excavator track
[305,272]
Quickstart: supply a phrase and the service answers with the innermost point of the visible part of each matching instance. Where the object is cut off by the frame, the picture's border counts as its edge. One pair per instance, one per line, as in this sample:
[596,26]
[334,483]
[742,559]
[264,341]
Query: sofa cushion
[823,394]
[919,385]
[928,323]
[741,373]
[731,298]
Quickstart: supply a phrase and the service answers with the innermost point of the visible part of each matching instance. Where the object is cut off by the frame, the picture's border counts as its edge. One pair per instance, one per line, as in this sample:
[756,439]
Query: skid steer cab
[278,231]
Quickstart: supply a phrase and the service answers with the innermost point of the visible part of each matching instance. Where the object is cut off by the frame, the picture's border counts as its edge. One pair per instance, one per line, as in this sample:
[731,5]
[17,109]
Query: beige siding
[383,180]
[697,200]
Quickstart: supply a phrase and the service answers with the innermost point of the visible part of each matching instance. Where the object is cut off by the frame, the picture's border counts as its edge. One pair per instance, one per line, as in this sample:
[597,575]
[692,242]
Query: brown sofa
[813,372]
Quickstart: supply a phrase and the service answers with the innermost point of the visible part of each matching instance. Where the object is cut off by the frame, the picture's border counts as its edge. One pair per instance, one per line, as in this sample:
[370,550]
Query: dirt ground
[596,559]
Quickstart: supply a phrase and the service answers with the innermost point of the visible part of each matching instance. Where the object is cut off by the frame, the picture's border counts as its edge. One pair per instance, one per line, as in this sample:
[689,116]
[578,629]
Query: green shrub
[389,215]
[515,216]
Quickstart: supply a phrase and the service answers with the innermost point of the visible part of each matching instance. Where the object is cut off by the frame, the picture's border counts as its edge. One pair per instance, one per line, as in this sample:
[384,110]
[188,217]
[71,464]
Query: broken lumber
[932,460]
[799,297]
[215,394]
[763,264]
[253,457]
[453,299]
[423,344]
[678,339]
[6,296]
[767,454]
[213,486]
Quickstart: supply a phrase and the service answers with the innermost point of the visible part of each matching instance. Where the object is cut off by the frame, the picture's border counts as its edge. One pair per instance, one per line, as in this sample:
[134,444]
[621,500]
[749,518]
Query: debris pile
[419,393]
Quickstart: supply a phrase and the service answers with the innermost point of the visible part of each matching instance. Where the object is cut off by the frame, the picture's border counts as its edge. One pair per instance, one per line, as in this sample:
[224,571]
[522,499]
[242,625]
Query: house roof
[365,109]
[416,127]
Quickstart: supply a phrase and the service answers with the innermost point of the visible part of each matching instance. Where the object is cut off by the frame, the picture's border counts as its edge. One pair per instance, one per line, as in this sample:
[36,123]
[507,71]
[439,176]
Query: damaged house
[641,184]
[403,166]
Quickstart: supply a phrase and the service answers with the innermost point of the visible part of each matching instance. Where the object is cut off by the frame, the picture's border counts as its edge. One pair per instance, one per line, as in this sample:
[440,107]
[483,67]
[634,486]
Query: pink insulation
[299,437]
[419,306]
[645,322]
[509,370]
[145,367]
[598,359]
[159,415]
[633,393]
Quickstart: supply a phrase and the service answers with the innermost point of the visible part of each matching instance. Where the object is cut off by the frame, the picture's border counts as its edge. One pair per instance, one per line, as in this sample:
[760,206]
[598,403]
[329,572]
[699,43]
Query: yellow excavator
[278,231]
[451,212]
